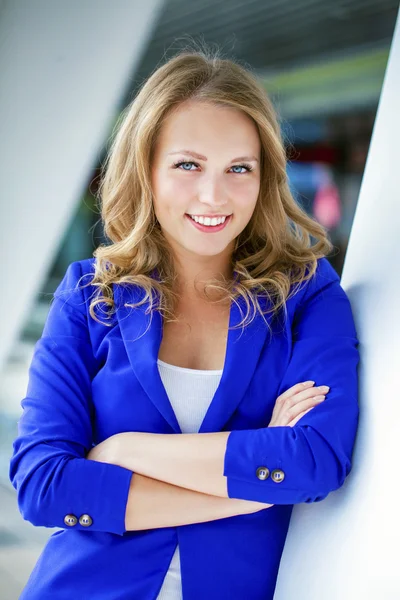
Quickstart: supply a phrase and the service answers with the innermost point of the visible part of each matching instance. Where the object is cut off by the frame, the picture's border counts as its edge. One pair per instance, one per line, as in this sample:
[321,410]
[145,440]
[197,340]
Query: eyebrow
[201,157]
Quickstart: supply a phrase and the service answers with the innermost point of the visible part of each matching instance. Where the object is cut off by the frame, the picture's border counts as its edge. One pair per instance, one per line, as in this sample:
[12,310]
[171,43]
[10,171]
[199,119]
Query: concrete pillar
[347,545]
[65,66]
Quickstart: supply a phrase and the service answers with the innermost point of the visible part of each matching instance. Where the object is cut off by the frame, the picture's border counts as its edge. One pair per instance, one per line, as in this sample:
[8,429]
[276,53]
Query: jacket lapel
[142,333]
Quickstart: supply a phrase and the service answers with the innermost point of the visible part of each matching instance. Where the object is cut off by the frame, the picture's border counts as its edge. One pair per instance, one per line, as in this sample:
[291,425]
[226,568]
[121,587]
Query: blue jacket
[88,382]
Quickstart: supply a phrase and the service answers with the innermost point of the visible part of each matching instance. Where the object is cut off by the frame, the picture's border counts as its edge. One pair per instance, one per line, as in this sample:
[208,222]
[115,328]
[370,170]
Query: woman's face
[205,163]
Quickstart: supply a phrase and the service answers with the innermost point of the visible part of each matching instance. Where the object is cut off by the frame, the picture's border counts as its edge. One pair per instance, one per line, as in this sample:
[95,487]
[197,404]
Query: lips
[209,216]
[209,228]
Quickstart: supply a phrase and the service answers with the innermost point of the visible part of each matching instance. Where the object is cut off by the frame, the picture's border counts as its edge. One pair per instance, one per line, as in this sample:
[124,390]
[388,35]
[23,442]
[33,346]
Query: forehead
[198,125]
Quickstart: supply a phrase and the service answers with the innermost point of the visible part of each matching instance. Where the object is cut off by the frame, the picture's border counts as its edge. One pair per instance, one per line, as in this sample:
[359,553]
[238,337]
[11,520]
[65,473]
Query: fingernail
[308,382]
[319,398]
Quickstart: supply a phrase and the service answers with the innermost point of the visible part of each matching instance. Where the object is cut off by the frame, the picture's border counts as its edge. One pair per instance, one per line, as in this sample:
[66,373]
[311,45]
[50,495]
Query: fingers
[300,392]
[303,405]
[289,402]
[295,402]
[298,387]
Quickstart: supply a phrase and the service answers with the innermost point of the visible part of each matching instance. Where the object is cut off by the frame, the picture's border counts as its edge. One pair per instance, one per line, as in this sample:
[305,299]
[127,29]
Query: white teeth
[208,221]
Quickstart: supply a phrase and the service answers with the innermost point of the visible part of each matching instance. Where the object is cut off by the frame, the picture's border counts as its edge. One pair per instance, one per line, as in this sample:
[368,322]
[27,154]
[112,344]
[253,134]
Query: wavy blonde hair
[272,254]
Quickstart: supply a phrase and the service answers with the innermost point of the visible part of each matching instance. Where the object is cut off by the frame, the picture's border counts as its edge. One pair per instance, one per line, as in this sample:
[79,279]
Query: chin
[206,248]
[206,251]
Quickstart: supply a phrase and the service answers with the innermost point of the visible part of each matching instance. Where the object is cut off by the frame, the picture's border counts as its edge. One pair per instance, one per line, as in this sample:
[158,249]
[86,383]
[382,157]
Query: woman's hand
[298,400]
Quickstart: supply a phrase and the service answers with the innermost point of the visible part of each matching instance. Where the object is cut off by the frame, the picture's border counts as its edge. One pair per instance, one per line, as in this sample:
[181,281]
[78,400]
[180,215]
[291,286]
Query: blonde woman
[197,376]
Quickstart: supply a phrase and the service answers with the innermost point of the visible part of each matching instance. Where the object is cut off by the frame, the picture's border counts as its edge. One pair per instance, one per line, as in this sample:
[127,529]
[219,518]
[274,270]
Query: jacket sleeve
[48,468]
[313,457]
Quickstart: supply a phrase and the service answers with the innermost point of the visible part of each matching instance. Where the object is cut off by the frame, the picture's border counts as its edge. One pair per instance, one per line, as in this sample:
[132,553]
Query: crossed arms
[177,478]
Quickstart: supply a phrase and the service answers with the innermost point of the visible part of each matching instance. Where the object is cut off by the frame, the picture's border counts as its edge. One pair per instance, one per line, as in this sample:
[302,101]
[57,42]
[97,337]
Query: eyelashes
[190,162]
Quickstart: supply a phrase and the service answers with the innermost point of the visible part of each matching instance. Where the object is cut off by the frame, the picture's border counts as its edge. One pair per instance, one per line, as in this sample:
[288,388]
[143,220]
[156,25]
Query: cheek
[172,194]
[245,194]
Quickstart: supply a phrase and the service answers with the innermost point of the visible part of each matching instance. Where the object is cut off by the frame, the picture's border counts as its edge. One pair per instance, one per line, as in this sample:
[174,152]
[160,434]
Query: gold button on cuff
[85,520]
[277,475]
[70,520]
[262,473]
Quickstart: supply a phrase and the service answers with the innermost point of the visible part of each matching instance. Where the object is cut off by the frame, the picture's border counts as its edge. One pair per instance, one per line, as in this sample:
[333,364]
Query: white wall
[347,546]
[64,69]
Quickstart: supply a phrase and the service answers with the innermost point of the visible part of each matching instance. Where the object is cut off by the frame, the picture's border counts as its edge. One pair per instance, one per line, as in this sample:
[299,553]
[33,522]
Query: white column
[347,546]
[64,69]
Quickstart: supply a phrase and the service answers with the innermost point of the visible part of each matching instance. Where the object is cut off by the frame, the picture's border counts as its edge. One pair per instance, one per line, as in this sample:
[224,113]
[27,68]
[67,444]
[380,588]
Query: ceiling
[272,35]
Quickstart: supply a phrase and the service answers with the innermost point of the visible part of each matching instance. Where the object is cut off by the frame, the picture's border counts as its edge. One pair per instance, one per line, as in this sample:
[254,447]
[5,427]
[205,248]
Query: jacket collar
[142,333]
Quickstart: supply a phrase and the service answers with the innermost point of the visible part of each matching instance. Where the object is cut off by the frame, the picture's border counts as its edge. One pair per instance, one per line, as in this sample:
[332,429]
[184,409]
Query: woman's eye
[240,167]
[185,164]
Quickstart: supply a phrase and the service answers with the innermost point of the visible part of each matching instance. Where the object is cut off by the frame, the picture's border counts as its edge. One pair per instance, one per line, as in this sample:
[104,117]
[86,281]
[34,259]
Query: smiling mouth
[207,218]
[209,228]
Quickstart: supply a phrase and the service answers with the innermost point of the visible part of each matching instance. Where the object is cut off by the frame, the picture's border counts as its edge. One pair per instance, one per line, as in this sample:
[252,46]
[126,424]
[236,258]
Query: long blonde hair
[272,254]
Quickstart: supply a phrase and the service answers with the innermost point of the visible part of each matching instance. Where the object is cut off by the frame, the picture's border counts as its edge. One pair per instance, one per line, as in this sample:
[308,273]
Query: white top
[190,392]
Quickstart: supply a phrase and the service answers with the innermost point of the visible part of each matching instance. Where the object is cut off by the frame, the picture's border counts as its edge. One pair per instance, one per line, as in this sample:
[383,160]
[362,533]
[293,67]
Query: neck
[192,276]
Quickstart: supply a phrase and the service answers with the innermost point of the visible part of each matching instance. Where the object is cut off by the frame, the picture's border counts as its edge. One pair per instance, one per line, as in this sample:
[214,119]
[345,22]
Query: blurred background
[323,63]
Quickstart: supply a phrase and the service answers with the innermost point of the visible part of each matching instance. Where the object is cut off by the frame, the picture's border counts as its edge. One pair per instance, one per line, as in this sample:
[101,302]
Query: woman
[197,377]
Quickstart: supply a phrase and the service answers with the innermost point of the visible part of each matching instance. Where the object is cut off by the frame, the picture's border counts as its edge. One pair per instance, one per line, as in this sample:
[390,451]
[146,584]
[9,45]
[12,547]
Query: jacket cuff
[103,496]
[281,465]
[84,494]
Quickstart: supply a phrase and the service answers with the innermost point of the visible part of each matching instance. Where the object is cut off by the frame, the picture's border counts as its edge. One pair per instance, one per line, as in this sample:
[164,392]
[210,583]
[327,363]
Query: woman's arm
[153,504]
[188,460]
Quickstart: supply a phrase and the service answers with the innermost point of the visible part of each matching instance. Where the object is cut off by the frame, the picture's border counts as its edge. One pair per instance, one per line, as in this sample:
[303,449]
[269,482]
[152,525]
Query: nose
[211,192]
